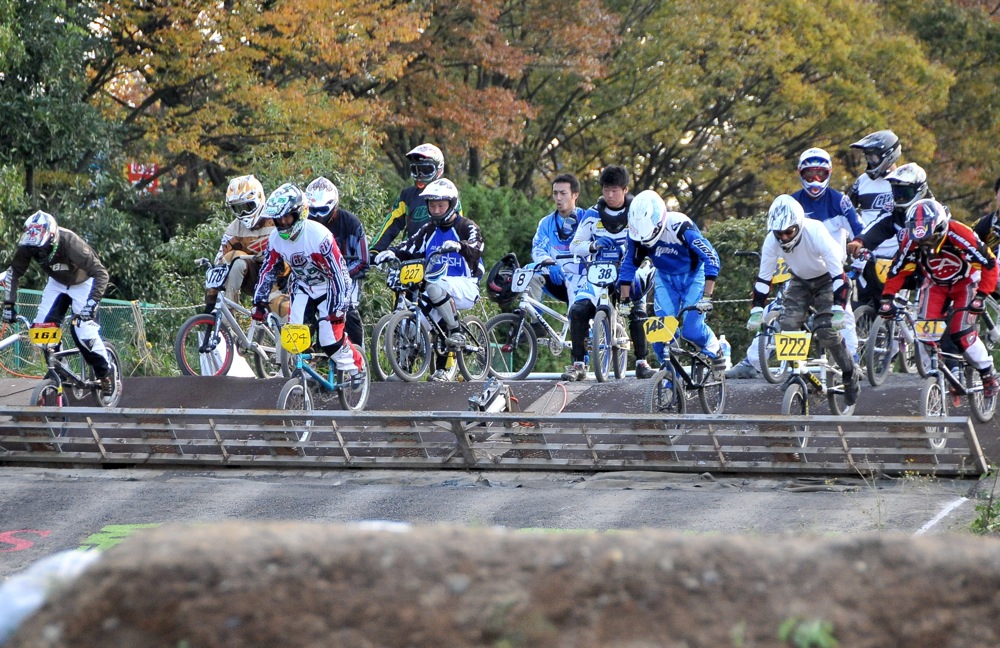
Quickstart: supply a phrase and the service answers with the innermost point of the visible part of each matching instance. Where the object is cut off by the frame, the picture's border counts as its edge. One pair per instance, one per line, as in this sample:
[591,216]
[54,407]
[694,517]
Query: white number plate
[602,274]
[520,280]
[215,277]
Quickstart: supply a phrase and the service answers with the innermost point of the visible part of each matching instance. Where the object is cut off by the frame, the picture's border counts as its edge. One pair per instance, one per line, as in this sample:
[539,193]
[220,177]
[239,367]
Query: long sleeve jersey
[349,233]
[316,265]
[240,237]
[680,249]
[592,227]
[815,255]
[72,263]
[960,255]
[428,239]
[873,200]
[409,214]
[834,210]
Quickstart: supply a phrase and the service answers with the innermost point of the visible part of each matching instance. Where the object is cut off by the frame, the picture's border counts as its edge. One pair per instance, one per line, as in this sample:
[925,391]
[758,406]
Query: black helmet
[881,150]
[498,281]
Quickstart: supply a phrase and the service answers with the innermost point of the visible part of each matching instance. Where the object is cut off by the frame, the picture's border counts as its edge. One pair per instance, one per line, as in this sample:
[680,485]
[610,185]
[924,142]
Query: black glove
[86,313]
[887,309]
[259,313]
[9,312]
[978,304]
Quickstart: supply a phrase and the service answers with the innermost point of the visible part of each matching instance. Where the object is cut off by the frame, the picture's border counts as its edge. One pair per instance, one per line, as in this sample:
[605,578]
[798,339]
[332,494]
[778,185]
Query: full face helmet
[909,184]
[927,222]
[784,220]
[646,216]
[41,233]
[881,150]
[815,166]
[426,164]
[245,196]
[442,189]
[286,200]
[322,198]
[500,278]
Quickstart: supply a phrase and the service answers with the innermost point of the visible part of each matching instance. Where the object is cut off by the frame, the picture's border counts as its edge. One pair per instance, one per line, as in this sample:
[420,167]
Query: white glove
[756,317]
[839,319]
[704,305]
[451,246]
[384,256]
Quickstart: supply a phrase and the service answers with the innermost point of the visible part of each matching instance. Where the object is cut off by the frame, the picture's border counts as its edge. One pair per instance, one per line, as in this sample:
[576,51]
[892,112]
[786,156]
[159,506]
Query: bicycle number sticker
[411,273]
[602,274]
[929,330]
[793,346]
[215,276]
[520,280]
[882,268]
[781,272]
[296,338]
[660,329]
[42,335]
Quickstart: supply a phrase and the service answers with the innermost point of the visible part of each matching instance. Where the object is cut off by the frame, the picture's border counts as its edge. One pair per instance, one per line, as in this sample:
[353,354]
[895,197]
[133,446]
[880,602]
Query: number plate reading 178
[520,279]
[296,338]
[602,274]
[660,329]
[411,273]
[44,335]
[215,276]
[929,330]
[792,346]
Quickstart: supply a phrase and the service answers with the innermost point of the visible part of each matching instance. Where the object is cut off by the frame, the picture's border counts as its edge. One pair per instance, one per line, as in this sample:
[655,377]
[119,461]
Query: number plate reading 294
[792,346]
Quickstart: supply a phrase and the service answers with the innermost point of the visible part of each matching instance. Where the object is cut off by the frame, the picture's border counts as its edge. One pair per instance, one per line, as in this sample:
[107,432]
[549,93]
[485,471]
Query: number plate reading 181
[520,279]
[296,338]
[602,274]
[44,335]
[215,276]
[929,330]
[792,346]
[660,329]
[411,273]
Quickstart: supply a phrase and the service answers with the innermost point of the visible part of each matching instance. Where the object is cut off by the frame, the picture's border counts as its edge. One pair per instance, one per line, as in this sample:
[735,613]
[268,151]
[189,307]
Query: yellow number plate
[882,268]
[411,273]
[929,330]
[660,329]
[792,346]
[781,272]
[296,338]
[43,335]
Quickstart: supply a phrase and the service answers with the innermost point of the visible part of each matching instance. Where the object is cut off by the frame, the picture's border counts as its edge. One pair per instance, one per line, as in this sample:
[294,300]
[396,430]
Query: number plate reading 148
[296,338]
[216,276]
[411,273]
[929,330]
[660,329]
[602,274]
[792,346]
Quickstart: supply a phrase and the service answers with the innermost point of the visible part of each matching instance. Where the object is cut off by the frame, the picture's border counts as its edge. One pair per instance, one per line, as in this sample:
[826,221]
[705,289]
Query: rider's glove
[556,275]
[887,308]
[704,304]
[451,246]
[9,312]
[756,317]
[259,313]
[839,318]
[605,243]
[384,256]
[978,304]
[86,313]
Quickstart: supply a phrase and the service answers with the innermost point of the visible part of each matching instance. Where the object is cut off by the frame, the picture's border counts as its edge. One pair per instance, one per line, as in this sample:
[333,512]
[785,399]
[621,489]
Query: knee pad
[436,295]
[582,310]
[965,338]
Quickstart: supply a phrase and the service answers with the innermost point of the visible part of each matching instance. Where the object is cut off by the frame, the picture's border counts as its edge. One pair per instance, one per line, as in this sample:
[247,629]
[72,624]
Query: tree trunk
[29,182]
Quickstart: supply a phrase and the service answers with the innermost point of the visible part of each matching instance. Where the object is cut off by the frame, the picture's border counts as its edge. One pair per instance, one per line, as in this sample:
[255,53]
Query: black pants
[580,314]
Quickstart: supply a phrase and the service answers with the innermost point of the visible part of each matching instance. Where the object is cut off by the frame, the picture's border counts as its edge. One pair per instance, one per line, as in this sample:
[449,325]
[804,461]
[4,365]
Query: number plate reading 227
[792,346]
[411,273]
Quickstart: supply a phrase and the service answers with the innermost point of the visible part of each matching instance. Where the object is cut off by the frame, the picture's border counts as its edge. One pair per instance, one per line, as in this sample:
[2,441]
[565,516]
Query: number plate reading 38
[602,274]
[215,276]
[411,273]
[793,346]
[929,330]
[44,335]
[520,279]
[660,329]
[295,338]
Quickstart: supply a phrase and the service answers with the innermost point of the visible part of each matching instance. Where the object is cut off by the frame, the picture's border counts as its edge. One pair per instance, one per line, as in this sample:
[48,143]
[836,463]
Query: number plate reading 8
[411,273]
[44,335]
[215,277]
[660,329]
[520,280]
[929,330]
[793,346]
[602,274]
[296,338]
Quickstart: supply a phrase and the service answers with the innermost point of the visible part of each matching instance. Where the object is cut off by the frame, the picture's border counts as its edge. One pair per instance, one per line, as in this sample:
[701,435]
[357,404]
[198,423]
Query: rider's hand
[556,275]
[259,313]
[704,304]
[839,318]
[756,317]
[545,263]
[384,256]
[978,304]
[86,313]
[451,246]
[9,312]
[605,243]
[854,248]
[887,308]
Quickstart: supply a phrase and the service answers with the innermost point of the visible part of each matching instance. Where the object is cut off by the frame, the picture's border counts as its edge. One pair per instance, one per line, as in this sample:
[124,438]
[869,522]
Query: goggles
[244,209]
[786,235]
[320,211]
[904,194]
[422,169]
[873,158]
[815,174]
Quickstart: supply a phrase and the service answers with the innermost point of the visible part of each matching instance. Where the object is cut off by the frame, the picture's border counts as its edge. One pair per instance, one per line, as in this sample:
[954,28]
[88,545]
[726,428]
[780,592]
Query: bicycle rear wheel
[354,397]
[115,365]
[835,394]
[408,346]
[474,359]
[983,409]
[197,354]
[513,346]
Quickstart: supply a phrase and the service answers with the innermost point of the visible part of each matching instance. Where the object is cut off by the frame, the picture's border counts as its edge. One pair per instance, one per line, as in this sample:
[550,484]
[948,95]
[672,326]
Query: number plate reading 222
[792,346]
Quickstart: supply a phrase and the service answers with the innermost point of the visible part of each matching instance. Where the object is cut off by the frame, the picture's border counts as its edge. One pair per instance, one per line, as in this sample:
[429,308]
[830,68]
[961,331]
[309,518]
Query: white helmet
[442,189]
[814,171]
[426,164]
[646,217]
[909,184]
[322,198]
[786,215]
[245,196]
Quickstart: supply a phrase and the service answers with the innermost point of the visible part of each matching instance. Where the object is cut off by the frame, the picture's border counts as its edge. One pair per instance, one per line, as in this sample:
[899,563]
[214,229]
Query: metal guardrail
[477,440]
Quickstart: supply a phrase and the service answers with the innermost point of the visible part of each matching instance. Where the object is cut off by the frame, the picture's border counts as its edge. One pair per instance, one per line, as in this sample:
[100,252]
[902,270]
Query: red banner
[139,172]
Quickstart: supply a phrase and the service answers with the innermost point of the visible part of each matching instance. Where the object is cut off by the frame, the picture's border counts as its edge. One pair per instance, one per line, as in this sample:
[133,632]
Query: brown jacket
[72,263]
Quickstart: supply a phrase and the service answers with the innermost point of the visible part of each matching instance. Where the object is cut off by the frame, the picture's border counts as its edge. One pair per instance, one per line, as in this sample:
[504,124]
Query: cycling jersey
[317,267]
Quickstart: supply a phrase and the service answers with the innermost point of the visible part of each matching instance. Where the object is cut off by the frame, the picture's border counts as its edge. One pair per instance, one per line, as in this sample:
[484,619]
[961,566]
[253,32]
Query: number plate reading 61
[215,276]
[411,273]
[929,330]
[660,329]
[296,338]
[793,346]
[602,274]
[44,335]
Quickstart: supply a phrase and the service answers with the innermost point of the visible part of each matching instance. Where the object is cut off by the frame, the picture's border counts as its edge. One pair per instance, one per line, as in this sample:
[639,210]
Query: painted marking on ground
[113,534]
[19,544]
[951,506]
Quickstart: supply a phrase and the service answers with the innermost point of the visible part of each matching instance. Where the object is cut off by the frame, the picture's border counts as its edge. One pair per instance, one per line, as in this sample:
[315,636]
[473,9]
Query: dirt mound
[298,584]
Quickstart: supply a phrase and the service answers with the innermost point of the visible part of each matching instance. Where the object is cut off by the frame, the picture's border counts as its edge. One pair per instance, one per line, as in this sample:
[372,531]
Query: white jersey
[873,199]
[815,255]
[316,265]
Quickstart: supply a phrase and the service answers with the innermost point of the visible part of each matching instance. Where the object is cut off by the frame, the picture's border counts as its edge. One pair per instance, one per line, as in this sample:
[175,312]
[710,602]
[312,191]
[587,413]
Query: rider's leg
[88,334]
[580,314]
[239,270]
[444,307]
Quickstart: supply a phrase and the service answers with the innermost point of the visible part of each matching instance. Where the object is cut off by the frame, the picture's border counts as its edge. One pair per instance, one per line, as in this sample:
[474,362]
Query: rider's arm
[415,246]
[18,266]
[584,234]
[226,245]
[634,254]
[471,240]
[879,230]
[541,243]
[262,293]
[340,280]
[768,261]
[703,249]
[851,216]
[394,223]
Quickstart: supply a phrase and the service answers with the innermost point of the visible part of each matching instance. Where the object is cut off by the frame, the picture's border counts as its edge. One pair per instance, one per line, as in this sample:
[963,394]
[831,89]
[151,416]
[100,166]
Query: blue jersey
[680,249]
[835,211]
[548,241]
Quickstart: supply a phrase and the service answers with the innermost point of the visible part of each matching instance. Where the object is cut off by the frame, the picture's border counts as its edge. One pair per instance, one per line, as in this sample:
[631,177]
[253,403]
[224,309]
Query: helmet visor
[423,169]
[873,158]
[815,174]
[244,208]
[904,194]
[787,235]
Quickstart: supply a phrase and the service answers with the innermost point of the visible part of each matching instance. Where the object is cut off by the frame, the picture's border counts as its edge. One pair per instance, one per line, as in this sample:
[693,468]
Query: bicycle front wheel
[619,350]
[864,315]
[46,394]
[408,346]
[378,360]
[879,350]
[665,394]
[199,352]
[295,397]
[353,395]
[270,360]
[474,358]
[602,344]
[513,346]
[115,365]
[795,402]
[773,370]
[934,403]
[711,388]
